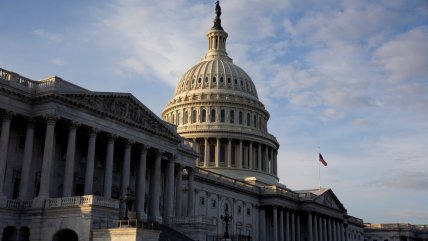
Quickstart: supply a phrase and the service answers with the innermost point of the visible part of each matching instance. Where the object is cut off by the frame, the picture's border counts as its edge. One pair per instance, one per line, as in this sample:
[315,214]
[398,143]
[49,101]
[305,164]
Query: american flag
[322,160]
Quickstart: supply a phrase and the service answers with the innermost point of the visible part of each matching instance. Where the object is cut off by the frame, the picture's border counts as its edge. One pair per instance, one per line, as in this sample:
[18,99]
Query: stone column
[337,231]
[126,166]
[206,154]
[310,232]
[155,187]
[70,160]
[217,152]
[48,156]
[320,229]
[190,191]
[281,225]
[287,225]
[108,175]
[342,232]
[262,230]
[229,153]
[170,186]
[141,184]
[90,161]
[275,223]
[324,228]
[334,231]
[4,147]
[250,156]
[240,158]
[178,190]
[293,227]
[259,157]
[329,229]
[298,227]
[26,165]
[315,219]
[266,159]
[198,160]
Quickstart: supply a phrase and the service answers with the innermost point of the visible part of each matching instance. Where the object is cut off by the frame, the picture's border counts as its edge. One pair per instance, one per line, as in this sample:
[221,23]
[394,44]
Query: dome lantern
[217,39]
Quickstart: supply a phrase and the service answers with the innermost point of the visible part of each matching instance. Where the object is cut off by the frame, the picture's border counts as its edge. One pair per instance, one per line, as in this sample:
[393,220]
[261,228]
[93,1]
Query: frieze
[122,107]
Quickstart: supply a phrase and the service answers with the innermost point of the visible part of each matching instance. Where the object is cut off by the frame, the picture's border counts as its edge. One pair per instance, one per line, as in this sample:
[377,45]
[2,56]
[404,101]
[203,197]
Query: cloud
[406,180]
[404,57]
[48,35]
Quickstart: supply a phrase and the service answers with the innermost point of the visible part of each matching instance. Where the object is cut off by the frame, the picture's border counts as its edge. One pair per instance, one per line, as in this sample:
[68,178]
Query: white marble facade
[68,155]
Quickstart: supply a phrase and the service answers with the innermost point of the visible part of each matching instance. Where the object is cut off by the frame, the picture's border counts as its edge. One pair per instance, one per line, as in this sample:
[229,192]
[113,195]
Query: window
[221,79]
[222,116]
[212,117]
[213,203]
[248,211]
[228,80]
[260,123]
[214,80]
[248,119]
[186,116]
[204,115]
[240,117]
[178,118]
[222,153]
[202,201]
[255,121]
[194,115]
[239,209]
[232,116]
[173,119]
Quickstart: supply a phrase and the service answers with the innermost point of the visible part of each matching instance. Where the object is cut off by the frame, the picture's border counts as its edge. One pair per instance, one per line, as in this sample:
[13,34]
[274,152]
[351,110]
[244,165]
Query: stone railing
[306,196]
[396,226]
[225,179]
[193,220]
[280,191]
[33,86]
[60,202]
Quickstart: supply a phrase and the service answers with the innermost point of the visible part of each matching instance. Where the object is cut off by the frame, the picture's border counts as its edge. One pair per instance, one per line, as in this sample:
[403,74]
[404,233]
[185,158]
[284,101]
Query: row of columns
[47,164]
[285,225]
[266,156]
[322,228]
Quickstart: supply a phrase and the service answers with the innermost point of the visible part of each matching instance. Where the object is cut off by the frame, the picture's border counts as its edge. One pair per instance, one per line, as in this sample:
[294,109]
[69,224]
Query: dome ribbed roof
[216,74]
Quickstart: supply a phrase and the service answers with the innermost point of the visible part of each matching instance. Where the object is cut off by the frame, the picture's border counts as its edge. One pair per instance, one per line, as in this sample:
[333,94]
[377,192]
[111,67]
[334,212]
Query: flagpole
[319,170]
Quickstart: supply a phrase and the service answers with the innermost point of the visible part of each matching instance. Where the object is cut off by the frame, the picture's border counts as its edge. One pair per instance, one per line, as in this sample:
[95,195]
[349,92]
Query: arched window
[186,116]
[214,80]
[222,116]
[203,115]
[194,116]
[240,117]
[65,235]
[248,119]
[173,119]
[260,123]
[178,118]
[232,116]
[212,117]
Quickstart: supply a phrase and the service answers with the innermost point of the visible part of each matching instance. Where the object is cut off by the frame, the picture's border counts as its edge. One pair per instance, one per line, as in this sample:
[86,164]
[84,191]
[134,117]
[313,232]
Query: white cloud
[48,35]
[405,57]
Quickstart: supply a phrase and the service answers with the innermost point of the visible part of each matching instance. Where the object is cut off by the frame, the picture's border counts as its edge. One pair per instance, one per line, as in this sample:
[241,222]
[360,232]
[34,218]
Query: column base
[142,216]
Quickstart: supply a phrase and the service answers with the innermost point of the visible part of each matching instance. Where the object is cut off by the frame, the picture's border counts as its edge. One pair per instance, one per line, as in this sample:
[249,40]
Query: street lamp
[226,218]
[128,198]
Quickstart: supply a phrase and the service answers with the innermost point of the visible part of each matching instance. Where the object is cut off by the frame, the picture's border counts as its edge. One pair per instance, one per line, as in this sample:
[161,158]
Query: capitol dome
[216,106]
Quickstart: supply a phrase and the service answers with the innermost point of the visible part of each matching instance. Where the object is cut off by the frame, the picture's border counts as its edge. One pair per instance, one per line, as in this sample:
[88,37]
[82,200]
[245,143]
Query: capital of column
[129,142]
[51,118]
[93,131]
[112,137]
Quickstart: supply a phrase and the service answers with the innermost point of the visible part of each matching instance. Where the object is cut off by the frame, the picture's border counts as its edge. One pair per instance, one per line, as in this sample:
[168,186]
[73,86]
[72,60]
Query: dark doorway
[65,235]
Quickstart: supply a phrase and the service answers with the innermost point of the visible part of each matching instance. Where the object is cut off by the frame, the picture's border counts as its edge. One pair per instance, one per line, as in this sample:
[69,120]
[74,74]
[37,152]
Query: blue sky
[348,76]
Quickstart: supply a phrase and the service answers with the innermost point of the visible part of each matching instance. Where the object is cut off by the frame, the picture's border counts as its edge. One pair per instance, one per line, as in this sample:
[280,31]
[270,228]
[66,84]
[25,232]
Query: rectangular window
[222,116]
[232,116]
[240,117]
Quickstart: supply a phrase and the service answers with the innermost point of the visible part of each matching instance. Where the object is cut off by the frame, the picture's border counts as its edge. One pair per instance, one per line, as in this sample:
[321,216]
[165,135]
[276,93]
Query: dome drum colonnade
[216,106]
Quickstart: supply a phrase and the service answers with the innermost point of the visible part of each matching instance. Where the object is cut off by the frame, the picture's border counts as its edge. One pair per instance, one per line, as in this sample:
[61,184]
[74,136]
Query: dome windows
[212,116]
[232,117]
[240,118]
[214,79]
[221,79]
[228,80]
[222,115]
[203,116]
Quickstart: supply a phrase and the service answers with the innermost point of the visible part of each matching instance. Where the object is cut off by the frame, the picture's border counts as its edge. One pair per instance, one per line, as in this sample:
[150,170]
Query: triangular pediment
[327,198]
[123,107]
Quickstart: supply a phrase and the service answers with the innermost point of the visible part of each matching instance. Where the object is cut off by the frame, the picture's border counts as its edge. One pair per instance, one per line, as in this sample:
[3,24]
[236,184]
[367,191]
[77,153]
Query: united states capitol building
[77,164]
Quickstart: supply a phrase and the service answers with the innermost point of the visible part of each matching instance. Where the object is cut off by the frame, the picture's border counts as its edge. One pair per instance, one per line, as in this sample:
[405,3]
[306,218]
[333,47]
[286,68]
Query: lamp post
[128,198]
[226,218]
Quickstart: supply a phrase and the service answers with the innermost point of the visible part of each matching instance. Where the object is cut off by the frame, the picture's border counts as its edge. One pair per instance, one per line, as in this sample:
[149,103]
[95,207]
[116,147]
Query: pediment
[124,107]
[329,199]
